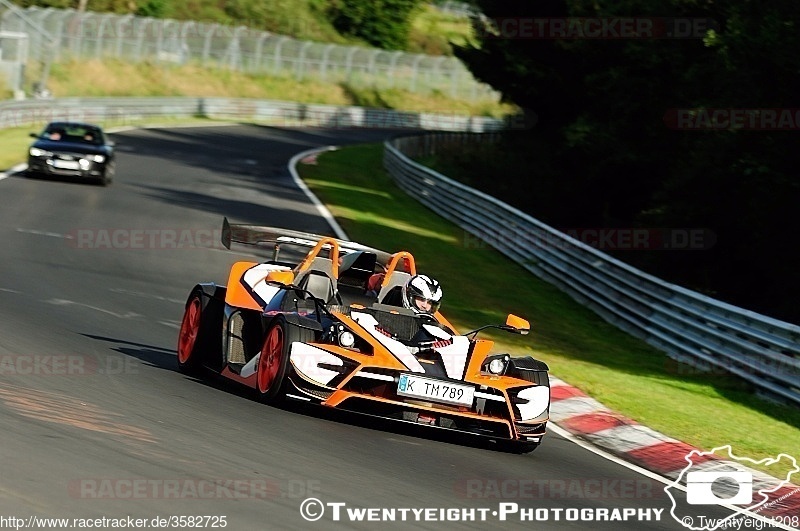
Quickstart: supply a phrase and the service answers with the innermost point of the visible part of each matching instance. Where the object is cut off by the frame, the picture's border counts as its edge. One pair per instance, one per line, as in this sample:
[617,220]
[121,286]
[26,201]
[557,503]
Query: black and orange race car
[308,330]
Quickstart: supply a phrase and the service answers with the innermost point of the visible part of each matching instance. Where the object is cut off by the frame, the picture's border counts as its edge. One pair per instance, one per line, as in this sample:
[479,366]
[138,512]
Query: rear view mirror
[281,277]
[517,324]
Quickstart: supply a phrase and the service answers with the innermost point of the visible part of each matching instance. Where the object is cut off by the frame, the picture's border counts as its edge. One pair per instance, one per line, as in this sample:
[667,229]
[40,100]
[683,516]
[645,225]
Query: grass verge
[111,77]
[481,286]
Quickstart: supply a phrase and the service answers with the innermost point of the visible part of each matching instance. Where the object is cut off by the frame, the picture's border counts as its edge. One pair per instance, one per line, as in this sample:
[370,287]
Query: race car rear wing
[258,235]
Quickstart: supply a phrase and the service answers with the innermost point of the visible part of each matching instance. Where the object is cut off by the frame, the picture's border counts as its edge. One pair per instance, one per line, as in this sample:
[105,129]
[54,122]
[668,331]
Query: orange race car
[309,330]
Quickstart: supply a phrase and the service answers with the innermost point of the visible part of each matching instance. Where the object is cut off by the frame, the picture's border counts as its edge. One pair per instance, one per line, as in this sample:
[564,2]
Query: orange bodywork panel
[381,357]
[473,372]
[236,294]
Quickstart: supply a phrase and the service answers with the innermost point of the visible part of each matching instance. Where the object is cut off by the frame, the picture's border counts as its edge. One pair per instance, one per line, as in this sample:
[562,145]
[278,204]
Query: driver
[422,294]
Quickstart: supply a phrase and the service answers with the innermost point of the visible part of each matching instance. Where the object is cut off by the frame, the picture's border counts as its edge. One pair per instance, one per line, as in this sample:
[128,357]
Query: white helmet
[422,294]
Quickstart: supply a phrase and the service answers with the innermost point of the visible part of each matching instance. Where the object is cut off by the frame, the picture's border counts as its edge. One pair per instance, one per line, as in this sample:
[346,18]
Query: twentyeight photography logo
[720,478]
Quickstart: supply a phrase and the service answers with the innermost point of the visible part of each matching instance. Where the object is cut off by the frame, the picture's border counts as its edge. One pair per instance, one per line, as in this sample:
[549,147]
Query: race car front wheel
[273,362]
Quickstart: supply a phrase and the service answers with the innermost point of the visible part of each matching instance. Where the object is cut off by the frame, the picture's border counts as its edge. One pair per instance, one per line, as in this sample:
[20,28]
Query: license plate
[66,164]
[435,390]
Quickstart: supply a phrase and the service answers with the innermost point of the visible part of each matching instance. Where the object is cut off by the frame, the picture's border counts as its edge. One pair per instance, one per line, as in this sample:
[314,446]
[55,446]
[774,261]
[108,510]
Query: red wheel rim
[270,361]
[189,328]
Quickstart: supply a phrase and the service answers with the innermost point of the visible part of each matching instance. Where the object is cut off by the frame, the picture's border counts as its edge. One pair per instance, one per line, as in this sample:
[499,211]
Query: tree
[601,106]
[382,23]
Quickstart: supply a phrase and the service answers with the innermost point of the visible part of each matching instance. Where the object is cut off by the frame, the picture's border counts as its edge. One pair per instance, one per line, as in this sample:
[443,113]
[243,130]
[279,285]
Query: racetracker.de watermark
[66,365]
[723,119]
[144,239]
[723,366]
[601,238]
[597,28]
[191,489]
[558,489]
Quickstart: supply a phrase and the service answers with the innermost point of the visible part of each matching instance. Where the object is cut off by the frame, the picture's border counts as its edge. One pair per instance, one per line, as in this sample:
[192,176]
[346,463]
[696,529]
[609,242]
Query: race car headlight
[496,366]
[97,158]
[36,152]
[347,339]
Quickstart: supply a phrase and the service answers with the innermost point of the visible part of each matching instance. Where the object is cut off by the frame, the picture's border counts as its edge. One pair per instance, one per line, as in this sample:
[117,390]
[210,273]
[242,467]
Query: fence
[57,35]
[122,111]
[13,56]
[458,9]
[689,327]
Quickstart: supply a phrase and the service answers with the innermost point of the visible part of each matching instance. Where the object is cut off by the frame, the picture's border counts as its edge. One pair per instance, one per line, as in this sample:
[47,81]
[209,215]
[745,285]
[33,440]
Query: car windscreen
[74,133]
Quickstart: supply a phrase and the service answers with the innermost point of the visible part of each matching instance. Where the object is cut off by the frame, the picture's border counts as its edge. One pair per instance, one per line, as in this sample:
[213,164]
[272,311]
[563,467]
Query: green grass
[96,78]
[481,286]
[433,31]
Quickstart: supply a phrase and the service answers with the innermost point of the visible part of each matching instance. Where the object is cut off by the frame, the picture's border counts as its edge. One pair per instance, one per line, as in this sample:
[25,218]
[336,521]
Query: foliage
[606,152]
[409,25]
[152,8]
[382,23]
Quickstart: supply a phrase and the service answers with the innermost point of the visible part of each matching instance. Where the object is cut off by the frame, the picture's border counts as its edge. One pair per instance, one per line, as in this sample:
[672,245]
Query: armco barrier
[689,327]
[121,111]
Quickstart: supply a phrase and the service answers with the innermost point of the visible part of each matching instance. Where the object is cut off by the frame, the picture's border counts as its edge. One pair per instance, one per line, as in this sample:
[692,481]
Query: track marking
[321,208]
[392,439]
[7,290]
[46,233]
[172,324]
[145,295]
[64,302]
[14,169]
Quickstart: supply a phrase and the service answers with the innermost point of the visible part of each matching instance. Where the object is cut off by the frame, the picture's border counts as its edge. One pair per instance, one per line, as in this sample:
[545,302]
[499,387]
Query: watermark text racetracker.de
[106,522]
[145,239]
[191,488]
[66,365]
[601,238]
[554,489]
[313,509]
[597,28]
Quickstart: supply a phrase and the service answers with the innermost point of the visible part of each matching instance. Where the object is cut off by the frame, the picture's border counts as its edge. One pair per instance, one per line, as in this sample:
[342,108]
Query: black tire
[273,362]
[195,333]
[109,172]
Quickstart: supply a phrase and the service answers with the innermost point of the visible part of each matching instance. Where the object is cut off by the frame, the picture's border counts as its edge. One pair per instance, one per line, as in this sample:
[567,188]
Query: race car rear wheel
[273,362]
[192,334]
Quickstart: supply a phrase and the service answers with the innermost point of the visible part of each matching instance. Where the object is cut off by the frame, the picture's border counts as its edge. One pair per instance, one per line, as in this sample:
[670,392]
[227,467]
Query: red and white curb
[587,419]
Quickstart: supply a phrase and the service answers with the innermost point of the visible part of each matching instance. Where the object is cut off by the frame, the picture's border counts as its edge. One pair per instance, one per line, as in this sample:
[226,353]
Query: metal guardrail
[122,111]
[691,328]
[62,34]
